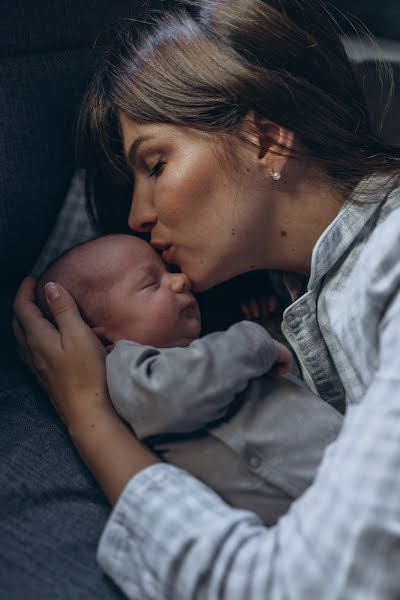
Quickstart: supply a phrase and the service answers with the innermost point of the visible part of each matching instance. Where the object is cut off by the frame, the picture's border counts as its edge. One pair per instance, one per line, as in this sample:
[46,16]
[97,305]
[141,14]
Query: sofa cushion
[52,511]
[39,96]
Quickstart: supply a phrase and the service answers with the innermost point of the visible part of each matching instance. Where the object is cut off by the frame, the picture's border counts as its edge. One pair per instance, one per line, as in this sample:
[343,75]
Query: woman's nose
[142,216]
[179,283]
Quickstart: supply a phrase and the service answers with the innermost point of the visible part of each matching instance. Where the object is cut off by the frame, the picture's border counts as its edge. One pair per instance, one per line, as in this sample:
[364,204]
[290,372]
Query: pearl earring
[276,175]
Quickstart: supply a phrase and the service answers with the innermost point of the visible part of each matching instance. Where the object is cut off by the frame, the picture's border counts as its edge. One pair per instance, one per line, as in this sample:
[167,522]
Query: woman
[250,148]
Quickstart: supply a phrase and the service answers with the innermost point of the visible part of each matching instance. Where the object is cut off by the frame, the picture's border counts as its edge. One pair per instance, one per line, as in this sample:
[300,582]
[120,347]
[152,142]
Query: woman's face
[205,219]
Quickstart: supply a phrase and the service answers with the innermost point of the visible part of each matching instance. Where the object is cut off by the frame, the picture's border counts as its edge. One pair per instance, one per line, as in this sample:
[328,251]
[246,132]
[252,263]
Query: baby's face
[146,303]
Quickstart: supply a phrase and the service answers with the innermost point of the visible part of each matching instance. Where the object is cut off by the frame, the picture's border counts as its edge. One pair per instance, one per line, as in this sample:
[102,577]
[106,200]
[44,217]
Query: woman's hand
[67,360]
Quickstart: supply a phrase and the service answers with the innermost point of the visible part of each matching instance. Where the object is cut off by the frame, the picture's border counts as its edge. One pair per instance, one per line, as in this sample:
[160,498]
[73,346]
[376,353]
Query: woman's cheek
[169,204]
[183,192]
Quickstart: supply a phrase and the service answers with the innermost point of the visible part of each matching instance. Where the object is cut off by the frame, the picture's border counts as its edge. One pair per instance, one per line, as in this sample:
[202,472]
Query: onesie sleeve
[178,390]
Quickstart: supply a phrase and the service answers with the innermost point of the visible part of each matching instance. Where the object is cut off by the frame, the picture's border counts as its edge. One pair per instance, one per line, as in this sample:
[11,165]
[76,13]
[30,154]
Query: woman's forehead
[132,128]
[133,132]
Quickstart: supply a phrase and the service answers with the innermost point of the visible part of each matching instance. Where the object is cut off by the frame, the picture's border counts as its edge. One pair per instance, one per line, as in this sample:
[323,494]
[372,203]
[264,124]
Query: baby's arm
[177,390]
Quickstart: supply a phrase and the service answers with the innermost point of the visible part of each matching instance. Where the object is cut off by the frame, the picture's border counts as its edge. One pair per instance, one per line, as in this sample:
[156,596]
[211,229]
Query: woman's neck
[302,218]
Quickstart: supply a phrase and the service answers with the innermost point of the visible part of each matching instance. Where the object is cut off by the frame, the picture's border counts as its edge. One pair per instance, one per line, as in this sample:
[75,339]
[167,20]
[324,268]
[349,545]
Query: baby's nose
[180,283]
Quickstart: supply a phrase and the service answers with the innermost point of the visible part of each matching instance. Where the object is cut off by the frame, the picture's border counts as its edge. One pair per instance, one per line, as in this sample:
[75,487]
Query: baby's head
[124,291]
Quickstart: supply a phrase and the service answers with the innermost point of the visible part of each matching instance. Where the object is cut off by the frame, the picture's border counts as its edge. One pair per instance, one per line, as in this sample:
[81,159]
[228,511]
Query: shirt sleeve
[178,390]
[170,537]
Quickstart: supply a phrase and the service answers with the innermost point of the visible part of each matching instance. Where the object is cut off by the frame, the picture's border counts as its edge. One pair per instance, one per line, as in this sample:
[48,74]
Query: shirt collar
[351,219]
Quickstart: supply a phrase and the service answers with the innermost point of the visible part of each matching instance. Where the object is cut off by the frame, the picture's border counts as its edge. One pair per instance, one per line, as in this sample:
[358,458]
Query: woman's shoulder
[371,275]
[358,299]
[381,255]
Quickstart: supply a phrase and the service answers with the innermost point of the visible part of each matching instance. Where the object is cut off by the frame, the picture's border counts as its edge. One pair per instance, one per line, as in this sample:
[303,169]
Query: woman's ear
[275,143]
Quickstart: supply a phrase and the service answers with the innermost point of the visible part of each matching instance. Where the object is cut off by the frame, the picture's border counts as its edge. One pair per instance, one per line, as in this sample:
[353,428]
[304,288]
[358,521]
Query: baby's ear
[99,331]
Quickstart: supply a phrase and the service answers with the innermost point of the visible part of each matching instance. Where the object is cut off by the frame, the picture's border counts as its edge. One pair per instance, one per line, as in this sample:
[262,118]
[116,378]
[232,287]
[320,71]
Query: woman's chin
[197,288]
[197,281]
[201,277]
[202,284]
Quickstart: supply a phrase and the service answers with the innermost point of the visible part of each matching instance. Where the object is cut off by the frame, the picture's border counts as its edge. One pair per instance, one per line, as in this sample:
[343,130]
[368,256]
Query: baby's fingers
[270,306]
[245,311]
[250,310]
[254,309]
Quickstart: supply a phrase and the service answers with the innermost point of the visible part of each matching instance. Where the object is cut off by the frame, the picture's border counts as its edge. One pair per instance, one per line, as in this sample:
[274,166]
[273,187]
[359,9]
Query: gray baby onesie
[212,409]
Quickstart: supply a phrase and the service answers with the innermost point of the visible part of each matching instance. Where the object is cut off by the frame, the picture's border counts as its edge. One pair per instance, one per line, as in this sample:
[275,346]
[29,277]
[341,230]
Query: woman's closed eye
[157,169]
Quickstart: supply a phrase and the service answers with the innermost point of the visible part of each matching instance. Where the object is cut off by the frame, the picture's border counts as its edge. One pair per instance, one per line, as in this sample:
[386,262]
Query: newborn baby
[124,291]
[205,404]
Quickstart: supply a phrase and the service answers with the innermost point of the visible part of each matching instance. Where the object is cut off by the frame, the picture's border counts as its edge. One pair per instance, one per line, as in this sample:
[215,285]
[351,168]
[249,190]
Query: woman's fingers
[34,324]
[22,346]
[23,350]
[67,359]
[64,309]
[72,329]
[28,314]
[32,331]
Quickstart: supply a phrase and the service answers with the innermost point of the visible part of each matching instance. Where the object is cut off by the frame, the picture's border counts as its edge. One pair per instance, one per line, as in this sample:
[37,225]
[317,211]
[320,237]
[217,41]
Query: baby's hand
[259,308]
[284,361]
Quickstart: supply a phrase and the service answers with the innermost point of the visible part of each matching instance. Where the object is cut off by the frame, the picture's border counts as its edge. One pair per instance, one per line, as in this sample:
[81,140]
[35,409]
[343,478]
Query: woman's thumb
[61,304]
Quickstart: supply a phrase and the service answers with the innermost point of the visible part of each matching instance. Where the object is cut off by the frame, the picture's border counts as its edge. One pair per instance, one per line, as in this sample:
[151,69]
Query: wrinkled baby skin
[142,300]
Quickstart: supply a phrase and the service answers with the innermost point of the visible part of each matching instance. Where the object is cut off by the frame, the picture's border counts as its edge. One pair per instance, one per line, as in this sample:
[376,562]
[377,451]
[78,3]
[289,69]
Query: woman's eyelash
[157,169]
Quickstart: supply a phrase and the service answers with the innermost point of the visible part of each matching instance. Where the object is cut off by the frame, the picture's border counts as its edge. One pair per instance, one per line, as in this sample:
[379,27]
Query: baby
[210,404]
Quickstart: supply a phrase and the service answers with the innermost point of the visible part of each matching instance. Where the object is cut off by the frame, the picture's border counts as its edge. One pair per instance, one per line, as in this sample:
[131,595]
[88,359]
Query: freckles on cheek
[184,193]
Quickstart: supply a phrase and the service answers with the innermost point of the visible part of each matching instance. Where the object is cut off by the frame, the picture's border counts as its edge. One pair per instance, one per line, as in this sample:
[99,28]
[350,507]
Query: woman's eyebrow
[134,148]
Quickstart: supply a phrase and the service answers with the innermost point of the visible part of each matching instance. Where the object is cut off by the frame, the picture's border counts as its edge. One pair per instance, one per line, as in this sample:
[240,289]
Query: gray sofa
[51,510]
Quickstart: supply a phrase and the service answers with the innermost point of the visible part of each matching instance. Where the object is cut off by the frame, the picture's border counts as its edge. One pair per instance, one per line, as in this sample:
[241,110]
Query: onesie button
[253,459]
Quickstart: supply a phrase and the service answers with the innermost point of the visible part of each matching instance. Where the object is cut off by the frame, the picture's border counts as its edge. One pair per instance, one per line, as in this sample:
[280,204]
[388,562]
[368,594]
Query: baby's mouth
[189,311]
